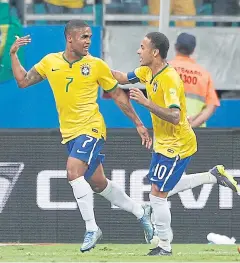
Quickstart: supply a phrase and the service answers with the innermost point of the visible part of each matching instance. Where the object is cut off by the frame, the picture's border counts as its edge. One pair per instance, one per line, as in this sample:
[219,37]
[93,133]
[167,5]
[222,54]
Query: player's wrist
[138,123]
[146,103]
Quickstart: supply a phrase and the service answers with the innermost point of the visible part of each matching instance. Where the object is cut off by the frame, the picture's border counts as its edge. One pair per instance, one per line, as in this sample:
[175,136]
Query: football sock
[118,197]
[190,181]
[84,197]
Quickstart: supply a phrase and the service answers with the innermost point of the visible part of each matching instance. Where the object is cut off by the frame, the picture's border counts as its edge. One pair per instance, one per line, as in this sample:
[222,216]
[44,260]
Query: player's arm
[121,77]
[212,102]
[123,102]
[110,85]
[203,116]
[23,78]
[138,75]
[171,114]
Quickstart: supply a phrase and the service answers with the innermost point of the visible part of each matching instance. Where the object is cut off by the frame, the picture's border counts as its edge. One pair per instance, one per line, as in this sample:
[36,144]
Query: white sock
[84,197]
[162,218]
[190,181]
[116,196]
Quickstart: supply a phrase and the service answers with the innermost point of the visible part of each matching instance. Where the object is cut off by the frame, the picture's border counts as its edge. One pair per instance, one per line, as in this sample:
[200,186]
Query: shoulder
[203,71]
[142,70]
[171,74]
[101,64]
[52,56]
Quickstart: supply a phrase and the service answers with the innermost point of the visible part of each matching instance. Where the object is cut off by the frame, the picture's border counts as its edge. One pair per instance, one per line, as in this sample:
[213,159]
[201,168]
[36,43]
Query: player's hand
[19,42]
[146,139]
[137,95]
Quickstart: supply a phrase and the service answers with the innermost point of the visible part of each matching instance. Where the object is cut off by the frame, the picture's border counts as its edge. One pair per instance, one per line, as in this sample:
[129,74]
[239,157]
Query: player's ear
[69,38]
[155,52]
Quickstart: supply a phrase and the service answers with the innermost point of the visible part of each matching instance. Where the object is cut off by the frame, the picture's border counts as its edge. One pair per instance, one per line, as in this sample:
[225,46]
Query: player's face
[146,52]
[81,40]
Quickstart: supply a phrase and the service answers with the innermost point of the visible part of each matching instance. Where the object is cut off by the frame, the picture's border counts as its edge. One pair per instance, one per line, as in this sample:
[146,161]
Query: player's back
[75,88]
[196,78]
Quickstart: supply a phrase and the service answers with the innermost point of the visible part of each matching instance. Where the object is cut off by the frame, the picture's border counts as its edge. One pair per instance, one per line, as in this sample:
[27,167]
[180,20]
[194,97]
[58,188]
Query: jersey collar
[153,77]
[71,63]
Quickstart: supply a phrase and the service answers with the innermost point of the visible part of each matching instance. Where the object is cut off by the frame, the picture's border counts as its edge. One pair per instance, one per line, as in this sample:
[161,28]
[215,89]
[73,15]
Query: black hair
[73,24]
[183,49]
[160,42]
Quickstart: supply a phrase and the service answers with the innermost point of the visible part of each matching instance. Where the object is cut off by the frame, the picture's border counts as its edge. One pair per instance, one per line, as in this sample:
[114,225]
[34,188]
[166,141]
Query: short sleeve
[212,98]
[41,67]
[171,92]
[106,79]
[138,75]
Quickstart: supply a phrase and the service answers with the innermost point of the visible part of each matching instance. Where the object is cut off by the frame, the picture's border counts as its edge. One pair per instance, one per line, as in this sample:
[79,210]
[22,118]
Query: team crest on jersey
[155,86]
[85,70]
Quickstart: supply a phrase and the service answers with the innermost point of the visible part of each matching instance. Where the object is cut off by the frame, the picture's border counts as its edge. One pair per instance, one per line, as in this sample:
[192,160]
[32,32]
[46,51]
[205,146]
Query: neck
[182,55]
[157,66]
[71,56]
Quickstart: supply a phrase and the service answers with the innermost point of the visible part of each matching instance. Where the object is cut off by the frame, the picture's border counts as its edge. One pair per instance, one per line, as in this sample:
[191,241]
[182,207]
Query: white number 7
[89,140]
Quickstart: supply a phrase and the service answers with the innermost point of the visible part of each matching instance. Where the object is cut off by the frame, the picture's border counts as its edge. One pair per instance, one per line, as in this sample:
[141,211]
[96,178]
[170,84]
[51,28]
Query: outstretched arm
[23,78]
[123,102]
[121,77]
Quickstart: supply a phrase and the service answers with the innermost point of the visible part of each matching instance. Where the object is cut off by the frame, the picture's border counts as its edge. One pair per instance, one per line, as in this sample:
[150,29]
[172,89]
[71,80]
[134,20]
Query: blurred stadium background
[36,203]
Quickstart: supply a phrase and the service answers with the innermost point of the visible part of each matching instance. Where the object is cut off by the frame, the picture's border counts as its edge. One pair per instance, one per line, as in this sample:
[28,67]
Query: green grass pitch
[116,253]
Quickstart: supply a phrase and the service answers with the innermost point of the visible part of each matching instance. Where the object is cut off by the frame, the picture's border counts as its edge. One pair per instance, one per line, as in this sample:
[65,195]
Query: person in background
[201,96]
[178,7]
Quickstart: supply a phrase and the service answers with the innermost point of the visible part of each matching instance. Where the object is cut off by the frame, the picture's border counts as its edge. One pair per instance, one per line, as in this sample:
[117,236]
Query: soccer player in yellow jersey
[174,139]
[74,76]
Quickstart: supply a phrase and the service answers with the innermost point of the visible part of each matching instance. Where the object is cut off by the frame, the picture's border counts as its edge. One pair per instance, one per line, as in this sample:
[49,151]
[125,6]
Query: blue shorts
[87,148]
[165,172]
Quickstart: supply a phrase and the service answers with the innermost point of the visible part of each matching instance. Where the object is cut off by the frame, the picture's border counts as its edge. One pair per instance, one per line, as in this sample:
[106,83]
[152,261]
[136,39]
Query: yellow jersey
[67,3]
[166,90]
[75,89]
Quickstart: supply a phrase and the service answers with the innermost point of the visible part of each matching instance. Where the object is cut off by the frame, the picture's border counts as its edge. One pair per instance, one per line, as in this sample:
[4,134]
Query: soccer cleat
[90,240]
[223,178]
[158,251]
[146,223]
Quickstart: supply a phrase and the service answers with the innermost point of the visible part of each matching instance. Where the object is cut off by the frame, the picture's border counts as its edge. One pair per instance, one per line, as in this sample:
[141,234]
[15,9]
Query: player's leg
[216,175]
[164,174]
[81,151]
[113,193]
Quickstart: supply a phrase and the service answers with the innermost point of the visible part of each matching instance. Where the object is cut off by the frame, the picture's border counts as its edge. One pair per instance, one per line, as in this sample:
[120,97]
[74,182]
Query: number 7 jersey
[75,89]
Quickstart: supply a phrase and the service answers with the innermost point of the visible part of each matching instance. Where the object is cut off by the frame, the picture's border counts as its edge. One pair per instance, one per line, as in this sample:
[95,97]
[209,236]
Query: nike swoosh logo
[55,69]
[78,151]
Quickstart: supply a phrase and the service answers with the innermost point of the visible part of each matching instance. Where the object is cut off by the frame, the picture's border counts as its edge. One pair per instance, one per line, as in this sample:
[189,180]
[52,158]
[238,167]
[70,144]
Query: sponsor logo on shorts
[95,130]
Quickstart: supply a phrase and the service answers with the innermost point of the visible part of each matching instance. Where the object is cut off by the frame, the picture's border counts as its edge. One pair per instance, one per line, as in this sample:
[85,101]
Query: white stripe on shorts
[170,172]
[91,153]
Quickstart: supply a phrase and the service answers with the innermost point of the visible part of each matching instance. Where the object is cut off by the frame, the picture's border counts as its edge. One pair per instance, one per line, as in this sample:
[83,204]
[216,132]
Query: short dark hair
[160,42]
[73,24]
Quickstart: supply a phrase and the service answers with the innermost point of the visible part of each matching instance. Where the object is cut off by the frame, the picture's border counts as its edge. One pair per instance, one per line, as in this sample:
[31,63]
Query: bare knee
[98,181]
[75,168]
[98,187]
[156,192]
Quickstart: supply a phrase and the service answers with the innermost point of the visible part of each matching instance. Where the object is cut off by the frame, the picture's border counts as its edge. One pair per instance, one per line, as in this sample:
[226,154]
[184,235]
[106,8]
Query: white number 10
[160,171]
